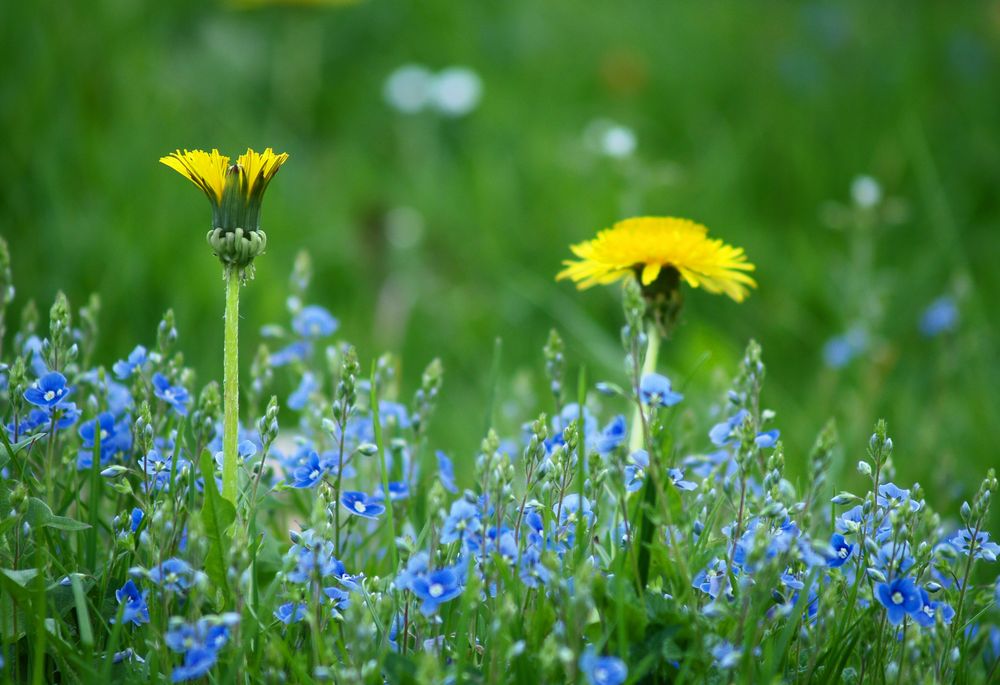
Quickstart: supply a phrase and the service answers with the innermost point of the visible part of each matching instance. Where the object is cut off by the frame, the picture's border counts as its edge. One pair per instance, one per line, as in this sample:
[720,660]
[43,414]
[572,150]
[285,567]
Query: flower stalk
[231,386]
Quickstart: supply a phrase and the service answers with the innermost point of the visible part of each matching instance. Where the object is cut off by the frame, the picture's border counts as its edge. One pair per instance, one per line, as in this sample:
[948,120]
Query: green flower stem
[637,435]
[231,385]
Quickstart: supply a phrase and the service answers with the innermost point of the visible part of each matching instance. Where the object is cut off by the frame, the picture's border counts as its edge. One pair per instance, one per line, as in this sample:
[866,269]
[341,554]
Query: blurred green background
[434,234]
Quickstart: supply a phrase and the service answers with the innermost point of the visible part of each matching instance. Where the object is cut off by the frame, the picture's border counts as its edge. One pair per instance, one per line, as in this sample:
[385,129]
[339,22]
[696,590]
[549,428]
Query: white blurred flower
[866,192]
[456,91]
[610,138]
[409,88]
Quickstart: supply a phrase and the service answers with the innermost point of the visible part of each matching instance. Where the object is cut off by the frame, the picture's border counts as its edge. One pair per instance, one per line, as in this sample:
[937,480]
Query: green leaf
[20,577]
[218,515]
[39,515]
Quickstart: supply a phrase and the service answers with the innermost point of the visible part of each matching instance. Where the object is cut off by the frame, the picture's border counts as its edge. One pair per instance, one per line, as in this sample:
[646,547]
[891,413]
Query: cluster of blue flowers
[559,550]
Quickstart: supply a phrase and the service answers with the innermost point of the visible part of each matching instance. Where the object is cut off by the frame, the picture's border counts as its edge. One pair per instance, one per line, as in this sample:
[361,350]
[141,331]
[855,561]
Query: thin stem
[231,386]
[637,436]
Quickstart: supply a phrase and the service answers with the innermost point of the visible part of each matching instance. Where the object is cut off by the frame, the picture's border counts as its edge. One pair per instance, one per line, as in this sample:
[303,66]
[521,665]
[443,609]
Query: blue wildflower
[573,508]
[124,368]
[337,598]
[135,611]
[767,439]
[635,472]
[293,352]
[307,386]
[115,438]
[174,395]
[173,575]
[941,316]
[928,613]
[309,471]
[900,597]
[446,472]
[291,613]
[360,504]
[677,479]
[984,548]
[839,351]
[313,559]
[436,588]
[49,391]
[135,519]
[726,655]
[602,670]
[711,578]
[398,490]
[200,645]
[655,391]
[612,436]
[890,497]
[461,521]
[721,434]
[159,466]
[840,551]
[314,321]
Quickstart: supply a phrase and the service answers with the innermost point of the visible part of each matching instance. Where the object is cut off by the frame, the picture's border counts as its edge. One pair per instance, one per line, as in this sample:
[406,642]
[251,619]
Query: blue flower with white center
[655,391]
[398,490]
[360,504]
[393,414]
[199,643]
[726,655]
[928,614]
[337,598]
[313,559]
[293,352]
[309,472]
[602,670]
[721,434]
[115,438]
[160,466]
[900,597]
[49,391]
[436,588]
[891,497]
[983,547]
[635,472]
[291,612]
[840,551]
[446,472]
[173,575]
[711,579]
[677,480]
[612,436]
[307,386]
[573,509]
[941,316]
[463,520]
[533,572]
[135,612]
[124,368]
[174,395]
[314,321]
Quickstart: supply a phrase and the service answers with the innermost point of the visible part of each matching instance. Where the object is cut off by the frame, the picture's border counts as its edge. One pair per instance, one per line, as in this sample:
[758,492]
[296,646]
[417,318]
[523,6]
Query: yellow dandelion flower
[235,192]
[207,170]
[645,247]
